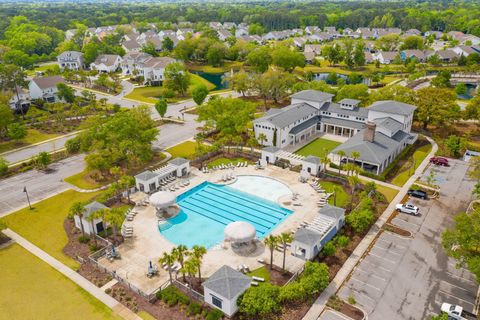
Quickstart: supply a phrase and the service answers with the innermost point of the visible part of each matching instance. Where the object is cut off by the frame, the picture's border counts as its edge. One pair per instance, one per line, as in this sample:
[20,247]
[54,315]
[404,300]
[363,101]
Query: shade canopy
[162,199]
[240,231]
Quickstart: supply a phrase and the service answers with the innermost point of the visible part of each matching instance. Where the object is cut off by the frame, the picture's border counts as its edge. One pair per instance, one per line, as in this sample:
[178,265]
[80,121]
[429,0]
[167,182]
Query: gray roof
[48,82]
[336,108]
[93,207]
[271,149]
[388,123]
[343,122]
[146,175]
[178,161]
[70,55]
[313,95]
[106,59]
[349,101]
[392,106]
[307,236]
[333,211]
[312,159]
[375,152]
[227,282]
[304,125]
[288,115]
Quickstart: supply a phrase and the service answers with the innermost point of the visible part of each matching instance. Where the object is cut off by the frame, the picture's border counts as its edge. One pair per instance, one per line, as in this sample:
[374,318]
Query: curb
[39,143]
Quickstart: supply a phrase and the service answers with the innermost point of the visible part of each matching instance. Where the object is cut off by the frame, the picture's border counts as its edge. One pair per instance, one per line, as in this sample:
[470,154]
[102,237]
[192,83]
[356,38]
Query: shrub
[260,302]
[342,241]
[167,93]
[351,299]
[329,249]
[214,314]
[292,292]
[84,239]
[3,166]
[315,278]
[171,296]
[72,145]
[194,309]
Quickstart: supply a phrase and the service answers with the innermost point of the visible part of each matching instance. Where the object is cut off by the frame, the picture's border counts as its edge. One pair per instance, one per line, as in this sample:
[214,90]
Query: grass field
[225,161]
[82,181]
[343,199]
[151,94]
[31,289]
[33,136]
[318,147]
[43,226]
[261,272]
[185,150]
[389,193]
[227,66]
[41,68]
[408,168]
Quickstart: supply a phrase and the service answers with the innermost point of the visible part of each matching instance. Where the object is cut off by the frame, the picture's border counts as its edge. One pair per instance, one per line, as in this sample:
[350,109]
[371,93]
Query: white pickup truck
[407,208]
[456,312]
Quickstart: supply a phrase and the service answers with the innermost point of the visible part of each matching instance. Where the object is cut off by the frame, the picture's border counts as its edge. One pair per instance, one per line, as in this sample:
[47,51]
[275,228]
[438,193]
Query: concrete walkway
[110,302]
[352,261]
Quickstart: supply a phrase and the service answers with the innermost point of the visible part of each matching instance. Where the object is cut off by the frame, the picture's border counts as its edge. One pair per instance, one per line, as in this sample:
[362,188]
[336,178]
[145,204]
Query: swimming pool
[263,187]
[207,208]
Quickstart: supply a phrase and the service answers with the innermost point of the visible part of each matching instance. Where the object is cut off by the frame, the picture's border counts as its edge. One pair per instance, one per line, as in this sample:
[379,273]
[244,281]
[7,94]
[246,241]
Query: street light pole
[28,199]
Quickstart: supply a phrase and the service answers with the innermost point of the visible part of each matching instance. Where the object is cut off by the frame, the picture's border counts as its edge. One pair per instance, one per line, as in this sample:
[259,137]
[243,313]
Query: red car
[439,161]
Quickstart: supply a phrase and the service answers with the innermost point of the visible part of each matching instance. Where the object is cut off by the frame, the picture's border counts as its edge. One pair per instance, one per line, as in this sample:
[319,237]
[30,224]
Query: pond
[470,92]
[322,76]
[215,78]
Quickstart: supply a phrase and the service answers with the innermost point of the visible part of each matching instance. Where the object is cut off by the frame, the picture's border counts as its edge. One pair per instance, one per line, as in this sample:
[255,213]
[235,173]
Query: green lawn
[225,161]
[33,136]
[185,150]
[43,226]
[151,94]
[343,199]
[31,289]
[227,66]
[389,193]
[261,272]
[408,169]
[82,181]
[318,147]
[41,68]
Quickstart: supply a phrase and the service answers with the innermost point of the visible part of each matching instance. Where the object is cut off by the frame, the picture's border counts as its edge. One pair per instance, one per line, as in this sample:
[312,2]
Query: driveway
[39,185]
[409,278]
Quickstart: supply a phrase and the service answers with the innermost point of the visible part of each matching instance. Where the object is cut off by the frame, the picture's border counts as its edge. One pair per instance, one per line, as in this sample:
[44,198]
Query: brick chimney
[369,132]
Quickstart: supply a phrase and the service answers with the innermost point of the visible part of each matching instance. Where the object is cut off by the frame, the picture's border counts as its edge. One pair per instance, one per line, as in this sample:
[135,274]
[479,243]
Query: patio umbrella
[304,175]
[113,249]
[162,199]
[240,231]
[150,264]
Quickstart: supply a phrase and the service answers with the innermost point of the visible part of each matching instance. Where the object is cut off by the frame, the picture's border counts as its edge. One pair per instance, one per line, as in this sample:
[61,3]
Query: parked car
[439,161]
[407,208]
[455,312]
[418,194]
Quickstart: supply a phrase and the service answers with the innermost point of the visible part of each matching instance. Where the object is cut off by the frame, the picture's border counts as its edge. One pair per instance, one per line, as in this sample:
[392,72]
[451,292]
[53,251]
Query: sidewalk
[352,261]
[110,302]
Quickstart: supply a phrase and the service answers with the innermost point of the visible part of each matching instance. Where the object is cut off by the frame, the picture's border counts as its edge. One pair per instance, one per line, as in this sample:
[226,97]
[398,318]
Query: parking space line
[454,285]
[455,297]
[359,293]
[397,237]
[371,274]
[380,267]
[462,278]
[388,260]
[364,283]
[416,225]
[387,249]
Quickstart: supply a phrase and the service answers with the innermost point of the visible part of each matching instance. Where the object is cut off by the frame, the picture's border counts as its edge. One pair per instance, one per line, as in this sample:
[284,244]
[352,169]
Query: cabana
[240,232]
[95,226]
[163,201]
[149,181]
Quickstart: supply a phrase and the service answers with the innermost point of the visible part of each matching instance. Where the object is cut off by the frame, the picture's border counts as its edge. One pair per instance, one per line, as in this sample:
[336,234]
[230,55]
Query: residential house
[315,48]
[223,34]
[419,55]
[229,25]
[45,88]
[106,63]
[224,287]
[386,57]
[72,60]
[96,225]
[20,99]
[154,70]
[70,33]
[134,62]
[241,32]
[412,32]
[369,57]
[131,46]
[299,42]
[447,55]
[436,34]
[464,50]
[309,56]
[312,29]
[167,33]
[215,25]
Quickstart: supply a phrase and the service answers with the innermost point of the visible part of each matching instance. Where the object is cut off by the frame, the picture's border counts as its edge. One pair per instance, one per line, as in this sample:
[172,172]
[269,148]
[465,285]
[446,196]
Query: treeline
[423,15]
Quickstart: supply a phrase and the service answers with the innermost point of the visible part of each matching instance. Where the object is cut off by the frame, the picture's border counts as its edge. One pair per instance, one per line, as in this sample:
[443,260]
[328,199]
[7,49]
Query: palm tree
[353,181]
[262,138]
[127,182]
[169,260]
[271,242]
[180,253]
[341,154]
[285,238]
[324,160]
[355,155]
[336,189]
[198,252]
[91,218]
[115,218]
[191,266]
[349,167]
[78,209]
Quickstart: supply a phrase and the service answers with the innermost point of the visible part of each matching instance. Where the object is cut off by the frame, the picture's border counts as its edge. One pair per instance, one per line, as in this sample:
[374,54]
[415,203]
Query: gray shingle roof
[227,282]
[304,125]
[349,101]
[146,175]
[336,108]
[390,124]
[178,161]
[69,55]
[312,159]
[307,236]
[107,59]
[48,82]
[343,122]
[372,152]
[93,207]
[391,106]
[288,115]
[312,95]
[333,211]
[271,149]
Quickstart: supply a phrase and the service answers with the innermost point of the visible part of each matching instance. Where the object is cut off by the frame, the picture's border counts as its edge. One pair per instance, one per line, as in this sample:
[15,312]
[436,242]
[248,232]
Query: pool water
[208,208]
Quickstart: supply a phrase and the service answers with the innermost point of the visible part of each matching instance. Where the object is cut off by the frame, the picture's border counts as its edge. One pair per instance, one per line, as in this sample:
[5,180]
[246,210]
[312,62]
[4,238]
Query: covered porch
[303,132]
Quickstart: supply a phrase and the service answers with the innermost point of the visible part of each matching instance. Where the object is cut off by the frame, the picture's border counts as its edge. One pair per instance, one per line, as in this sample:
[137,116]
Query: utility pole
[28,199]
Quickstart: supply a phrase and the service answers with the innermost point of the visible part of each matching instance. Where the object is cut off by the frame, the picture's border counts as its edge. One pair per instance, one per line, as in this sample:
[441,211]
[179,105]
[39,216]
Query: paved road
[409,278]
[40,185]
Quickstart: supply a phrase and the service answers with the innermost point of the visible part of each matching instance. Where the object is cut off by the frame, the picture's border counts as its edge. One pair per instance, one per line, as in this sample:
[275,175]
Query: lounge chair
[254,283]
[261,261]
[259,279]
[246,268]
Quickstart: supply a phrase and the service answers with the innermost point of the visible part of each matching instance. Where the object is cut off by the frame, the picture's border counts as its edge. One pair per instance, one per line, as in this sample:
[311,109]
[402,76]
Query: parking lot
[409,278]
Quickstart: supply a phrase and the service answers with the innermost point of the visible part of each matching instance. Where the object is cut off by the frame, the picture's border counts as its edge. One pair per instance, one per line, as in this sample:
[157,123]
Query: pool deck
[147,244]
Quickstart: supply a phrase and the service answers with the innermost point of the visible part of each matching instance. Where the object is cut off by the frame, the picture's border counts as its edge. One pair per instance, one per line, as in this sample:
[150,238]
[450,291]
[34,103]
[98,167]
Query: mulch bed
[74,248]
[4,239]
[277,276]
[351,311]
[94,275]
[397,230]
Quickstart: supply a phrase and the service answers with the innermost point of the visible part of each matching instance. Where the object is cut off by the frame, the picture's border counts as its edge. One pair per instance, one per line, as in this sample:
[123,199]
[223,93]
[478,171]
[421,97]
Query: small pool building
[149,181]
[309,241]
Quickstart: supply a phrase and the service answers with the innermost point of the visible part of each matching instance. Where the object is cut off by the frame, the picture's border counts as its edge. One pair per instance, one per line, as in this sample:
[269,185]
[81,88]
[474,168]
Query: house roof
[388,55]
[336,108]
[159,62]
[146,175]
[178,161]
[271,149]
[447,54]
[333,211]
[307,236]
[343,122]
[375,152]
[131,44]
[353,102]
[70,55]
[389,124]
[93,207]
[312,159]
[391,106]
[304,125]
[48,82]
[312,95]
[288,115]
[227,282]
[107,59]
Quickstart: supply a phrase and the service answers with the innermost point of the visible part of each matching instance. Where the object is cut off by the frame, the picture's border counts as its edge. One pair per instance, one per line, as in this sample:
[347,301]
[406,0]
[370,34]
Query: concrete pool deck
[147,243]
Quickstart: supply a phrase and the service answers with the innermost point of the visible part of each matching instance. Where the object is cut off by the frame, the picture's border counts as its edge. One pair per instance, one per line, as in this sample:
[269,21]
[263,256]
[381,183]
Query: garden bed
[347,309]
[393,228]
